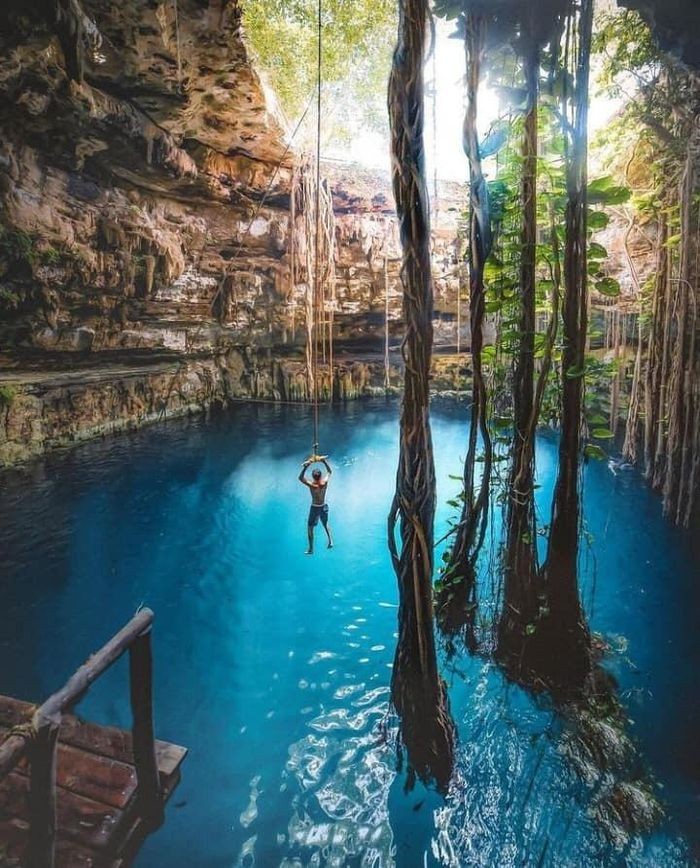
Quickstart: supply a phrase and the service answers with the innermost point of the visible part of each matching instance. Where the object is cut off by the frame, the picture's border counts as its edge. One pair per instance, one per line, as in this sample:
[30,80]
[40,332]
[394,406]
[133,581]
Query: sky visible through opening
[444,145]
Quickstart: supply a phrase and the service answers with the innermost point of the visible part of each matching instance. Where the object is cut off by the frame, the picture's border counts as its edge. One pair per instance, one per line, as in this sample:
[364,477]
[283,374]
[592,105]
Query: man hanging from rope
[319,508]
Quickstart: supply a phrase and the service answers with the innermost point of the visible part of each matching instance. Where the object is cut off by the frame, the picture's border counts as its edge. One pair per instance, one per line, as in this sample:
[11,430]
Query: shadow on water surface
[274,668]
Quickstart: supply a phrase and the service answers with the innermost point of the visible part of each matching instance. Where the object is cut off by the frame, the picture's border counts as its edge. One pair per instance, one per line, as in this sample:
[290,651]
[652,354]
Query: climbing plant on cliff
[418,693]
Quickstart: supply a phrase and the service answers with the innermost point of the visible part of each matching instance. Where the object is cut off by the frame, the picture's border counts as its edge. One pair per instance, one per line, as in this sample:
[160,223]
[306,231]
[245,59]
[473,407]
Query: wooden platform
[97,820]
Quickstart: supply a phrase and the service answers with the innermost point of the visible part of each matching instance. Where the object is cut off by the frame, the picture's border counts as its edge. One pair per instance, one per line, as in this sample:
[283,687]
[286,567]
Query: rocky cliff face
[151,256]
[126,192]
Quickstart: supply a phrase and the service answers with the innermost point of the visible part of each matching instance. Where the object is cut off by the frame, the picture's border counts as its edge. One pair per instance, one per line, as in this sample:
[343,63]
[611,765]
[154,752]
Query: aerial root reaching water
[418,693]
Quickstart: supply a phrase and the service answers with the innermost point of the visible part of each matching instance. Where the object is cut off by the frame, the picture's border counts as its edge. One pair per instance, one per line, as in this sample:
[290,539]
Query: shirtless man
[319,507]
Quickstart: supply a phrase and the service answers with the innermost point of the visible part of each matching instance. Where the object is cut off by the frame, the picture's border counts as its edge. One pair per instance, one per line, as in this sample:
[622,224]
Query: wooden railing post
[42,791]
[141,688]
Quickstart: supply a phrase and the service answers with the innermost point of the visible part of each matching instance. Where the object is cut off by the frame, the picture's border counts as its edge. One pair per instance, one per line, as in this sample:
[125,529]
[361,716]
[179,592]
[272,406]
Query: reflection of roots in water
[545,649]
[601,752]
[426,729]
[455,615]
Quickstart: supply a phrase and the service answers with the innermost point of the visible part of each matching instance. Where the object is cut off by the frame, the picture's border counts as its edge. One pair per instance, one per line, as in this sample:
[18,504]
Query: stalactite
[387,368]
[616,338]
[631,443]
[319,305]
[670,369]
[76,33]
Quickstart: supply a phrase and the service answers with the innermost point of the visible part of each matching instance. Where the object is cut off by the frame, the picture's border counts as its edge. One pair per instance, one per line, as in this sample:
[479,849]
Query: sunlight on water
[273,668]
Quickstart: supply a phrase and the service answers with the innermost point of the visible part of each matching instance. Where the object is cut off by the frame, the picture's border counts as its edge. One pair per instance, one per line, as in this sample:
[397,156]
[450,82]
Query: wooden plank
[88,823]
[97,777]
[138,832]
[122,847]
[106,741]
[14,835]
[98,823]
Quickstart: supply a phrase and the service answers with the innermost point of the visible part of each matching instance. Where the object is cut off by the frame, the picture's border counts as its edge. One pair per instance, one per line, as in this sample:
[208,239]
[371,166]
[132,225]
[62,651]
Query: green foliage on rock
[17,246]
[358,38]
[8,393]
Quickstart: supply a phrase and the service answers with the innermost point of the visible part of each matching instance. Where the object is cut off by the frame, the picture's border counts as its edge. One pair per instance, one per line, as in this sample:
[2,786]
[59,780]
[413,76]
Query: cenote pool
[273,667]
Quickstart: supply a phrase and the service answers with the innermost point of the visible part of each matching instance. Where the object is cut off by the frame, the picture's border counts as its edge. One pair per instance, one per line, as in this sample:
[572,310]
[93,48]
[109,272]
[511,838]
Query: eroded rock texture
[147,234]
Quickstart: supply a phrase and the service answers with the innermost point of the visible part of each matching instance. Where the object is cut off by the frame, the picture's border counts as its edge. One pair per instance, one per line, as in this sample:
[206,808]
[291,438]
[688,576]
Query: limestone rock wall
[45,411]
[132,196]
[143,177]
[127,194]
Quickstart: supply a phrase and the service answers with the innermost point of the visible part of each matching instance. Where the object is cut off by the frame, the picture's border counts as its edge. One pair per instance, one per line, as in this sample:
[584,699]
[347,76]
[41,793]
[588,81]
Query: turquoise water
[274,667]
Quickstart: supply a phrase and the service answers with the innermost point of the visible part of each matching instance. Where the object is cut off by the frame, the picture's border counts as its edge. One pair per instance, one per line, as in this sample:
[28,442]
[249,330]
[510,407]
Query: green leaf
[602,434]
[618,196]
[601,185]
[597,251]
[502,422]
[605,191]
[593,451]
[530,629]
[574,372]
[488,354]
[608,286]
[597,220]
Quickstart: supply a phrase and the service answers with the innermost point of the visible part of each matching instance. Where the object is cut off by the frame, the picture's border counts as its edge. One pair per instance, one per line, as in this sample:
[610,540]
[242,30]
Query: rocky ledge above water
[42,410]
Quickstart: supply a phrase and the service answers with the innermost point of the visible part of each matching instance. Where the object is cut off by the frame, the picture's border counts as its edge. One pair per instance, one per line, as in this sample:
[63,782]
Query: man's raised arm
[302,476]
[327,466]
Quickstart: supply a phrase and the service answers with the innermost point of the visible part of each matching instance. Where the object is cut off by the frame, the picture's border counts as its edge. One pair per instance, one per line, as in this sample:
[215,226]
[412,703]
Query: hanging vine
[663,421]
[471,529]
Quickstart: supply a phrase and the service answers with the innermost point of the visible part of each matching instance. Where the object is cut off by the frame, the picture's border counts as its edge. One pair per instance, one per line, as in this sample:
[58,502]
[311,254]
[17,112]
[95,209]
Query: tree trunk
[561,650]
[418,693]
[520,605]
[680,482]
[472,525]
